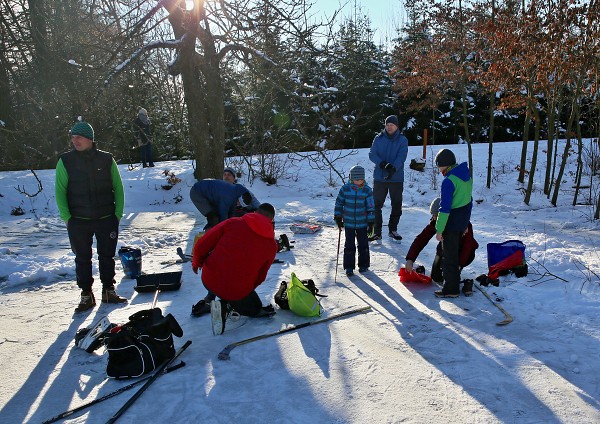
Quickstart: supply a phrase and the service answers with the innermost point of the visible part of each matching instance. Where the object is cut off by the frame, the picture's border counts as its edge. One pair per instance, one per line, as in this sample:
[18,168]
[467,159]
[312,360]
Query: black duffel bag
[142,344]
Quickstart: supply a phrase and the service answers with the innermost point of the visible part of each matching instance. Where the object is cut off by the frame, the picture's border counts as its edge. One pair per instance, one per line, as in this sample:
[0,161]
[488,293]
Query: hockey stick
[142,389]
[109,395]
[337,258]
[507,318]
[224,354]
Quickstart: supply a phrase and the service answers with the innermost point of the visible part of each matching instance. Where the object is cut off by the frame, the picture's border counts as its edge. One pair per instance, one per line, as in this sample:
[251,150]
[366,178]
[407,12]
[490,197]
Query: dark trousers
[250,305]
[350,248]
[146,153]
[450,265]
[206,208]
[81,236]
[380,192]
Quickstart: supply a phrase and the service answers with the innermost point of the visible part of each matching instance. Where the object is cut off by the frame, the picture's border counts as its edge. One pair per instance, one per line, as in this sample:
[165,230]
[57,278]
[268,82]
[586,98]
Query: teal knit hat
[83,129]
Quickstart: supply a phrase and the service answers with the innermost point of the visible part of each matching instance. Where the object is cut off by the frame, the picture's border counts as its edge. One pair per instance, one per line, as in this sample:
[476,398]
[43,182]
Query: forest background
[259,77]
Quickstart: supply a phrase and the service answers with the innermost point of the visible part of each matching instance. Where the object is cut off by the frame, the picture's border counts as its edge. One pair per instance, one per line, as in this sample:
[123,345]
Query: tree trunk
[465,118]
[536,114]
[549,150]
[203,90]
[579,171]
[565,156]
[491,138]
[523,162]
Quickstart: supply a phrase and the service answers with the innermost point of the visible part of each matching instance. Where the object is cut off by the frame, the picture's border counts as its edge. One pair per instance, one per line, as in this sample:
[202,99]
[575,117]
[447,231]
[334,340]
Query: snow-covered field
[412,358]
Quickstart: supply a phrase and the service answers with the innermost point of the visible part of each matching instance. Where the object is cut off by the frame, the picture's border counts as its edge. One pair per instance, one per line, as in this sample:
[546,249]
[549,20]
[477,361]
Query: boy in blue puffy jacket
[355,211]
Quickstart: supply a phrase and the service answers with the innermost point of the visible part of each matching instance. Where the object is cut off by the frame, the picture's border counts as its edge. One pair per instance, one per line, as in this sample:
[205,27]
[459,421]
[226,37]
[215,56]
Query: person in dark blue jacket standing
[354,210]
[388,153]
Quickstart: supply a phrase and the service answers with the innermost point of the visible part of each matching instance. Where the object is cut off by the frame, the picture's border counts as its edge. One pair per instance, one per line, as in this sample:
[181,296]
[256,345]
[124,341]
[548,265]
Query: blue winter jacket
[456,200]
[356,205]
[222,195]
[392,149]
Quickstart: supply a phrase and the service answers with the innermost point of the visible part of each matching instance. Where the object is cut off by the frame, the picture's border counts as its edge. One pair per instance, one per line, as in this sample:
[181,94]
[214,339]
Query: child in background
[468,245]
[454,216]
[355,211]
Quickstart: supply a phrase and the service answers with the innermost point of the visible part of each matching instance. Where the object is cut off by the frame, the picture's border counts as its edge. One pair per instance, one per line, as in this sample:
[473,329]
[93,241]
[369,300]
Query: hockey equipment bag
[506,257]
[301,299]
[281,298]
[142,344]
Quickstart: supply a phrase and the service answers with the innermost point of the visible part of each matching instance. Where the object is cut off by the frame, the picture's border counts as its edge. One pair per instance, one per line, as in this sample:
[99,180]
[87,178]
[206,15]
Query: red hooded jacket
[236,255]
[468,244]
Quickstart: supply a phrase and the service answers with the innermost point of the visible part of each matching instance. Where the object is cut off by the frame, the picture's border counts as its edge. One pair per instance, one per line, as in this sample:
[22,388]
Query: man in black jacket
[90,199]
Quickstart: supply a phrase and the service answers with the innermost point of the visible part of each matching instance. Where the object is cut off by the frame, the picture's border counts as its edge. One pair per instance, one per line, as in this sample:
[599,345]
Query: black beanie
[392,119]
[445,157]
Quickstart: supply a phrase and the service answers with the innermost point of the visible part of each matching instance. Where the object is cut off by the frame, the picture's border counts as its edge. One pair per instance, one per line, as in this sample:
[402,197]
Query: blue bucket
[131,259]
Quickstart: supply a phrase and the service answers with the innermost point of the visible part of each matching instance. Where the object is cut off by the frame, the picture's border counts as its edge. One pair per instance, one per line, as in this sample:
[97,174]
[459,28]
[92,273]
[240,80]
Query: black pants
[81,236]
[450,265]
[250,305]
[364,260]
[380,192]
[206,208]
[146,153]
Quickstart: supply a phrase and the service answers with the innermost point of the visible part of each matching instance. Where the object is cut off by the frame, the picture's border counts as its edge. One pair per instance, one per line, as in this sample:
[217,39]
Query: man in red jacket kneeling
[235,256]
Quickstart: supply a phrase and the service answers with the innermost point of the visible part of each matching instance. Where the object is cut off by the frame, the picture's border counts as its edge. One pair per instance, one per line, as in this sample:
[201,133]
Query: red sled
[413,277]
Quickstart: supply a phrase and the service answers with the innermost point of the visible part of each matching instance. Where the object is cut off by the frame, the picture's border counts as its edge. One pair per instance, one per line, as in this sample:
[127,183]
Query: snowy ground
[412,358]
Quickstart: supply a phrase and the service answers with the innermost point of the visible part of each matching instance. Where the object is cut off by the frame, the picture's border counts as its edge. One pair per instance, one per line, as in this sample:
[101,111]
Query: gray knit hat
[357,172]
[83,129]
[445,157]
[231,171]
[434,208]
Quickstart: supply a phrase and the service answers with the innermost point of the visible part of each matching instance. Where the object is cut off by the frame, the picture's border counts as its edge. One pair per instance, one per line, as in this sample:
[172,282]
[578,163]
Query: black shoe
[265,311]
[467,287]
[395,235]
[111,296]
[201,308]
[349,272]
[363,269]
[375,237]
[440,293]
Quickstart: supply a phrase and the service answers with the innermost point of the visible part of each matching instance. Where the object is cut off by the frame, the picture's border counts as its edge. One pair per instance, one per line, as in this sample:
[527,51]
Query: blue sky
[385,15]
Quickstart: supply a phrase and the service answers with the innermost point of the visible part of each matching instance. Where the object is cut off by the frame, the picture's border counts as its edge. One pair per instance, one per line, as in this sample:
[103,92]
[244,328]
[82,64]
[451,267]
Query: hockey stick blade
[224,354]
[109,395]
[507,318]
[147,384]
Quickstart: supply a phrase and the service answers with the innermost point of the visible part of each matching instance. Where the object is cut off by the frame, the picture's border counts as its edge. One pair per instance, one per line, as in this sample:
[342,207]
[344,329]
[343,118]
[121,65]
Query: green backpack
[301,300]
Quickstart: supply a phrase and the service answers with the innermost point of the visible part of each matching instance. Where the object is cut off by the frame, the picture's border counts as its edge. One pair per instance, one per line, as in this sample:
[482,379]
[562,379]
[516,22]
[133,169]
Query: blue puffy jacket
[392,149]
[356,205]
[222,195]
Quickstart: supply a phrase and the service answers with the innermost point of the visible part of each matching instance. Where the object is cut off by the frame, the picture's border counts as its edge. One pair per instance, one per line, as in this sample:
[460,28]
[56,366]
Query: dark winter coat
[356,205]
[456,199]
[392,149]
[142,131]
[223,196]
[235,255]
[88,185]
[468,244]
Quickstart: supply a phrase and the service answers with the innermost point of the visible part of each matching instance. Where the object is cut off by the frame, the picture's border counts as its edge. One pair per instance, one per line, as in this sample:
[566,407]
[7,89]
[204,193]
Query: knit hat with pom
[83,129]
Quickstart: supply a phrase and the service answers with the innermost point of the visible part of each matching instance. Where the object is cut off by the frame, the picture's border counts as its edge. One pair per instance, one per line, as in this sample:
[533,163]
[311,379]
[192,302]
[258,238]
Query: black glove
[339,221]
[247,198]
[391,171]
[384,164]
[370,228]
